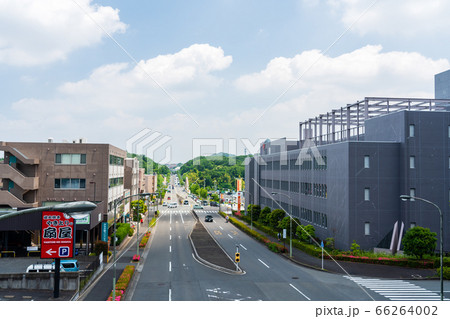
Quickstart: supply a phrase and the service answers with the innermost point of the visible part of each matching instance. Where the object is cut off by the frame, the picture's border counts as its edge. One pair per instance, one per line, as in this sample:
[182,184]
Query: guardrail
[7,252]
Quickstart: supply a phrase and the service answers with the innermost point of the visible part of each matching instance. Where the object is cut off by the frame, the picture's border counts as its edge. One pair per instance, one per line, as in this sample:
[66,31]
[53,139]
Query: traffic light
[237,257]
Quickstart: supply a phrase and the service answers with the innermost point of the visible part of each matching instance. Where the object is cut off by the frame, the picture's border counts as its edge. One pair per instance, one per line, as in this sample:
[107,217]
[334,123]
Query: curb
[207,263]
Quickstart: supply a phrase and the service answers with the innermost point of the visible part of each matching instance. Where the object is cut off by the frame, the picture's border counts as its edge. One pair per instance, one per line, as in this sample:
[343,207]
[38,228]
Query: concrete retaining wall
[40,281]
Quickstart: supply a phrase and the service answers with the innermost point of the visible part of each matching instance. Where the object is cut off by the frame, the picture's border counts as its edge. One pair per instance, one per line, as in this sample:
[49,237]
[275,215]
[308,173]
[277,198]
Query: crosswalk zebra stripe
[396,290]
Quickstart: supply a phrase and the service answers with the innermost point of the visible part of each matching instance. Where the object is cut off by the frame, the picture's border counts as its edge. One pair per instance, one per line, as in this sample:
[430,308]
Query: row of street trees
[417,241]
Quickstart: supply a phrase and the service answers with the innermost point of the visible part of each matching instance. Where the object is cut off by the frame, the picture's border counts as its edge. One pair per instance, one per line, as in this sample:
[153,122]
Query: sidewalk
[350,268]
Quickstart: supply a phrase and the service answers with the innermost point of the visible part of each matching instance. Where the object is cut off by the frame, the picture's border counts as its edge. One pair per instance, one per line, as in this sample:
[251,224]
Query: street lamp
[290,221]
[441,220]
[114,251]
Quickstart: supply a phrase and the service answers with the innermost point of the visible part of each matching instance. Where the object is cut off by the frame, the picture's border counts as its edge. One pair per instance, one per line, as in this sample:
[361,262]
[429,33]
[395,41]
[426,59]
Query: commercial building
[442,85]
[44,174]
[349,167]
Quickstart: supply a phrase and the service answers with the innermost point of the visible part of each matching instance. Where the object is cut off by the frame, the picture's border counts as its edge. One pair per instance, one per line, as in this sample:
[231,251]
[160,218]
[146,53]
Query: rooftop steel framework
[347,123]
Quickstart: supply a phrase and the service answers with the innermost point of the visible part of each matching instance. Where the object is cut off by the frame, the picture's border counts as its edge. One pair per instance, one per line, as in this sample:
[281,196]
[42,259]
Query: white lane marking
[170,249]
[170,294]
[299,291]
[262,262]
[220,227]
[230,236]
[170,237]
[242,246]
[170,266]
[181,215]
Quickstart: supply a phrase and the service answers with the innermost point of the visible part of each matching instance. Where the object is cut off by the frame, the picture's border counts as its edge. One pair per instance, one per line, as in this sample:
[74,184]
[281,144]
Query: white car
[173,205]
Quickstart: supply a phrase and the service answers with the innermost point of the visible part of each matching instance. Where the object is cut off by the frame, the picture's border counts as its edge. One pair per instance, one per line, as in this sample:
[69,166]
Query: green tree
[255,211]
[275,217]
[263,217]
[203,193]
[138,207]
[419,241]
[285,223]
[306,232]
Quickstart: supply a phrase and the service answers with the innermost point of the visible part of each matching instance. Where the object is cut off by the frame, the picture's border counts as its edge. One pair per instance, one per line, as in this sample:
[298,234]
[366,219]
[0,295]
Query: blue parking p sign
[64,251]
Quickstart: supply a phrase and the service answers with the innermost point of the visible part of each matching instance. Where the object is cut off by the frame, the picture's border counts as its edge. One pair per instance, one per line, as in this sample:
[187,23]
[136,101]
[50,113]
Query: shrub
[101,246]
[419,241]
[123,282]
[355,248]
[445,273]
[121,232]
[144,239]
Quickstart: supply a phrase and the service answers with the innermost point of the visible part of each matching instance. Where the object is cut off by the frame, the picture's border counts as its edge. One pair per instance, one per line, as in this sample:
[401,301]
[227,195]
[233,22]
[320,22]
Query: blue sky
[201,72]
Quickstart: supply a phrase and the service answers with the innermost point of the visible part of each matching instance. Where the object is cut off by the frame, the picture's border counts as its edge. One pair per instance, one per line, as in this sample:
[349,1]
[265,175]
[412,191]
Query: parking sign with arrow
[57,234]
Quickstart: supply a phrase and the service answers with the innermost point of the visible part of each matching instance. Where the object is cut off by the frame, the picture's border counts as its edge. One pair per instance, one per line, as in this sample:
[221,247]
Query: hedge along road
[169,271]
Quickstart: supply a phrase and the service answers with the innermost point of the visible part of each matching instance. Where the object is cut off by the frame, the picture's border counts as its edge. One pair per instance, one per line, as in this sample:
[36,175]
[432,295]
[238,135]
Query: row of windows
[316,218]
[115,160]
[70,159]
[70,183]
[318,190]
[313,189]
[117,181]
[295,164]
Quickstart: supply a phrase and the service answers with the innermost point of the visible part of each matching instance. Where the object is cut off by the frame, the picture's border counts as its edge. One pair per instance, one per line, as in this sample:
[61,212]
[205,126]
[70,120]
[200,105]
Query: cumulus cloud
[45,31]
[368,70]
[409,18]
[118,100]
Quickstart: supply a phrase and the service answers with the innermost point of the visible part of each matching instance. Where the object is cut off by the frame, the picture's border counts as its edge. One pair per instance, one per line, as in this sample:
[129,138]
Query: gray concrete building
[351,166]
[44,174]
[442,85]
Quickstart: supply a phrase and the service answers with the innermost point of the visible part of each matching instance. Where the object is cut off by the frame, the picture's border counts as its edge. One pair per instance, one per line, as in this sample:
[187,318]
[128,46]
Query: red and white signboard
[57,235]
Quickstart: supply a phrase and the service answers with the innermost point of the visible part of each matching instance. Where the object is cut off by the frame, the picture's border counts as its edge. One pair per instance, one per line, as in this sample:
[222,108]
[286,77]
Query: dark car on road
[215,204]
[208,218]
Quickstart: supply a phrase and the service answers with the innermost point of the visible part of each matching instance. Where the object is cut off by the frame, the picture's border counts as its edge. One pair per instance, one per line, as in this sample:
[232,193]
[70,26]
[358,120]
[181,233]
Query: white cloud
[411,18]
[119,100]
[367,70]
[45,31]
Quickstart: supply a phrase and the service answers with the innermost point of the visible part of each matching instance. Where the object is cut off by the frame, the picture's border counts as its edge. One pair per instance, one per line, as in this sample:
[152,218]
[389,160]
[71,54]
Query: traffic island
[209,252]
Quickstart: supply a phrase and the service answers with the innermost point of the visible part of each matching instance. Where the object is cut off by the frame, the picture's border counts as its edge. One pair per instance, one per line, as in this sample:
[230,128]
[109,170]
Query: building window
[367,161]
[117,181]
[70,159]
[366,194]
[412,162]
[70,183]
[449,131]
[411,130]
[115,160]
[412,225]
[412,193]
[366,228]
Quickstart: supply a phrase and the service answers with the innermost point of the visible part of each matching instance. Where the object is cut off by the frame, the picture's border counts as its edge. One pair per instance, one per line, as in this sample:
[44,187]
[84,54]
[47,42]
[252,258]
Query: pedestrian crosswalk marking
[188,211]
[396,290]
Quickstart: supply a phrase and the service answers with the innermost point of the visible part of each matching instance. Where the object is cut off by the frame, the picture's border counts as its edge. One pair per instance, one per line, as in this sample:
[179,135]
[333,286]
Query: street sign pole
[57,277]
[321,245]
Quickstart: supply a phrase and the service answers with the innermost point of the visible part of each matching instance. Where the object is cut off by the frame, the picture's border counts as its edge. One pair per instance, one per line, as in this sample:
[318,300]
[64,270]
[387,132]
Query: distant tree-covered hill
[150,165]
[215,171]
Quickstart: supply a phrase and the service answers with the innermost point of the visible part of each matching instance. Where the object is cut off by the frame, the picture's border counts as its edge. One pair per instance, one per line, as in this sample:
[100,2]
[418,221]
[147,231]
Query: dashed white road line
[299,291]
[262,262]
[242,246]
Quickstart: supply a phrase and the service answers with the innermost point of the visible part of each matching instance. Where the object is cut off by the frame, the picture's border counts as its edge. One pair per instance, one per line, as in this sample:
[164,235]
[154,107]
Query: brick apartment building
[44,174]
